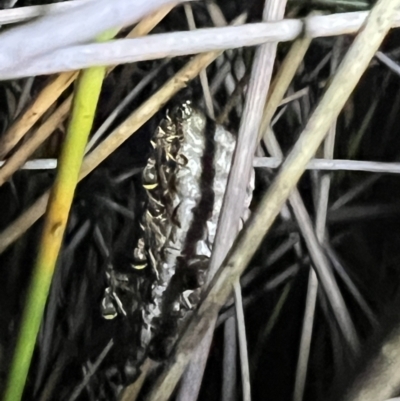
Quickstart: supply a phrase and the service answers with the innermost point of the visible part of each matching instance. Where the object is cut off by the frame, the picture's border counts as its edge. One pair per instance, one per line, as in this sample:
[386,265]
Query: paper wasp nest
[185,180]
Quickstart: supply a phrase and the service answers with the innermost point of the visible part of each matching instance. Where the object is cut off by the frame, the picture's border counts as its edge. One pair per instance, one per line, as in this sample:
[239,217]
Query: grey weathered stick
[112,142]
[241,328]
[183,43]
[115,139]
[154,47]
[19,14]
[392,65]
[335,165]
[76,25]
[249,239]
[233,205]
[271,162]
[47,96]
[320,262]
[38,164]
[312,290]
[229,360]
[345,22]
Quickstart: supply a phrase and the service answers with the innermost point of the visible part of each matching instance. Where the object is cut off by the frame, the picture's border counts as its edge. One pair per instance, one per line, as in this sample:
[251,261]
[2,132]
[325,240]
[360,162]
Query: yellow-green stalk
[87,92]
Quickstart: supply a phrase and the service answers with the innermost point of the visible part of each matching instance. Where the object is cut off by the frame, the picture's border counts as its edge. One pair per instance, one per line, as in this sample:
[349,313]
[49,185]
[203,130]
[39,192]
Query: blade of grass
[84,106]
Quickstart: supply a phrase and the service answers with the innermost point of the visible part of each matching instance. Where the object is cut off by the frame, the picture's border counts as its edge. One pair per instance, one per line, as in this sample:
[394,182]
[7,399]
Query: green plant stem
[87,93]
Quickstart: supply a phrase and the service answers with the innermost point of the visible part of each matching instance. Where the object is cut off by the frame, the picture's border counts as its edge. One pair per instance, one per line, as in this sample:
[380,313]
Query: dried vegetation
[308,311]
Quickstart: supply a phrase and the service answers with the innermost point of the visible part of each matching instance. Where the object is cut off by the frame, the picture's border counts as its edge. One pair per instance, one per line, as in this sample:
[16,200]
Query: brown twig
[132,391]
[44,100]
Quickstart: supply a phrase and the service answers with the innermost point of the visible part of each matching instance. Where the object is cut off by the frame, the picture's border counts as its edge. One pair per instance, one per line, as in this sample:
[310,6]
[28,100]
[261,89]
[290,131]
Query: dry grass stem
[45,99]
[193,376]
[38,164]
[392,65]
[184,43]
[115,139]
[17,160]
[355,292]
[312,290]
[241,328]
[343,83]
[157,46]
[265,332]
[91,372]
[246,144]
[13,15]
[378,380]
[66,29]
[233,99]
[321,264]
[294,96]
[147,24]
[238,181]
[131,392]
[216,14]
[335,165]
[25,95]
[122,105]
[38,107]
[324,271]
[355,192]
[203,74]
[282,80]
[23,222]
[354,145]
[229,367]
